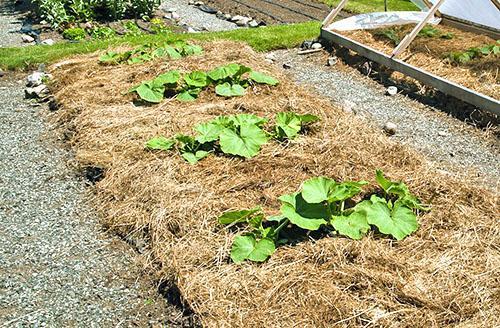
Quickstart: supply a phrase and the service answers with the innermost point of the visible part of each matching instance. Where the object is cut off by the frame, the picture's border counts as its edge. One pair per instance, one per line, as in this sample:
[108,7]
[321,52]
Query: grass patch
[365,6]
[260,39]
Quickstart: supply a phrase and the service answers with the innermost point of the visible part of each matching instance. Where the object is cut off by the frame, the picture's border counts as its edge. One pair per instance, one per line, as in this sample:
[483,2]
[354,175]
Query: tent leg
[413,34]
[334,13]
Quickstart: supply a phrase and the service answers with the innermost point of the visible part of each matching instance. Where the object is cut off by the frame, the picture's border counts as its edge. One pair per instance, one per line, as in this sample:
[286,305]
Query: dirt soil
[273,11]
[430,53]
[445,275]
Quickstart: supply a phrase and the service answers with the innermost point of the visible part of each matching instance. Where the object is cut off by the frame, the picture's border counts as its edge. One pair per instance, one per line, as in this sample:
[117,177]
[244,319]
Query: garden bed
[444,274]
[442,51]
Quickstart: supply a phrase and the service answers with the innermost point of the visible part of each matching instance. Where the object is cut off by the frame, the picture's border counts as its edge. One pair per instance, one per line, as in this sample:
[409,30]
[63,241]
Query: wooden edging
[450,88]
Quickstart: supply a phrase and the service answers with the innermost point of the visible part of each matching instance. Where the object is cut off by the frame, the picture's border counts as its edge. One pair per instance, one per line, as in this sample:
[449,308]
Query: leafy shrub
[53,11]
[158,26]
[74,33]
[389,34]
[463,57]
[141,8]
[325,204]
[102,32]
[132,28]
[238,135]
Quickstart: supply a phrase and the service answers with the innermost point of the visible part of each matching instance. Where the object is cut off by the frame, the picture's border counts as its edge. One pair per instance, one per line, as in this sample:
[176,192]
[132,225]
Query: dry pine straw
[482,75]
[447,274]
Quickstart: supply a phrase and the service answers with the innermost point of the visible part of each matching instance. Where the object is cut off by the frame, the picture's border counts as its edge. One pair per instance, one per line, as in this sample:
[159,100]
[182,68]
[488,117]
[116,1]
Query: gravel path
[10,24]
[57,268]
[197,19]
[451,144]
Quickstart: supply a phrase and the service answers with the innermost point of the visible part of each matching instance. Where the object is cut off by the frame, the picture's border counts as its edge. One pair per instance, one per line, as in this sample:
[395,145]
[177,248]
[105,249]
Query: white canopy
[482,12]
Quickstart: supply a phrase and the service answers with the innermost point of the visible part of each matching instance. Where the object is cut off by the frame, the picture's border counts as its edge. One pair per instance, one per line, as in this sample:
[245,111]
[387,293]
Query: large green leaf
[196,79]
[345,190]
[172,52]
[160,143]
[353,226]
[170,78]
[242,119]
[191,49]
[224,72]
[150,93]
[399,189]
[263,78]
[187,95]
[110,57]
[289,124]
[208,132]
[245,143]
[239,216]
[247,248]
[305,215]
[317,190]
[194,157]
[229,90]
[398,221]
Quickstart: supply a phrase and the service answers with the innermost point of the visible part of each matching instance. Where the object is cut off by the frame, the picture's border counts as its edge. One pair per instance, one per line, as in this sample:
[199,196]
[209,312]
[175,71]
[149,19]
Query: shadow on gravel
[173,296]
[432,97]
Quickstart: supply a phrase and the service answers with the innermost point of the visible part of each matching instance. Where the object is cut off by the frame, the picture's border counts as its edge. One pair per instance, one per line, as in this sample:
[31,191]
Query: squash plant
[463,57]
[240,135]
[150,51]
[230,80]
[322,204]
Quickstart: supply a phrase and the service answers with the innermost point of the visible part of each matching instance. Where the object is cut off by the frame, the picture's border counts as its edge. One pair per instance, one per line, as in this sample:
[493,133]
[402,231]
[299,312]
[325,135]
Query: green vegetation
[238,135]
[74,33]
[228,81]
[261,39]
[150,51]
[61,12]
[395,35]
[327,206]
[366,6]
[102,32]
[463,57]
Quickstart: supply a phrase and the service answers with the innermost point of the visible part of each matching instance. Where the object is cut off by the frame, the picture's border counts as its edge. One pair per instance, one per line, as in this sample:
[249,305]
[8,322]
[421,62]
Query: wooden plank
[448,87]
[331,16]
[413,34]
[429,5]
[496,3]
[468,26]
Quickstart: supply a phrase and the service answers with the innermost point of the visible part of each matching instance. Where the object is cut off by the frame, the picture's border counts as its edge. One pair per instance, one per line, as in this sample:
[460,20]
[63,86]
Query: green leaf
[246,247]
[345,190]
[249,119]
[398,221]
[172,53]
[317,190]
[305,215]
[150,94]
[238,216]
[171,77]
[399,189]
[245,143]
[308,118]
[190,49]
[110,57]
[263,78]
[208,132]
[188,95]
[160,143]
[354,226]
[223,72]
[289,124]
[229,90]
[196,79]
[193,158]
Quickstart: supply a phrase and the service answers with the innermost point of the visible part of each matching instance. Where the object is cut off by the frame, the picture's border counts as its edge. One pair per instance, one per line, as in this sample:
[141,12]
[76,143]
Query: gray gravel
[451,144]
[57,268]
[10,24]
[197,19]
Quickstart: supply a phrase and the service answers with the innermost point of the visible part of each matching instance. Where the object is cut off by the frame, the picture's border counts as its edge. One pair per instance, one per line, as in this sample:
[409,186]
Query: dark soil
[273,11]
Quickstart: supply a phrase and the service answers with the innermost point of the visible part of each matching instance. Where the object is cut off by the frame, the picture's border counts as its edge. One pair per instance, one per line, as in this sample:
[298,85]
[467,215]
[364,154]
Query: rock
[53,105]
[35,79]
[253,23]
[199,3]
[191,30]
[175,16]
[392,91]
[316,45]
[271,57]
[27,39]
[332,61]
[306,45]
[191,2]
[349,107]
[287,65]
[36,92]
[207,9]
[366,68]
[237,18]
[220,15]
[242,22]
[88,25]
[442,134]
[390,128]
[48,42]
[269,61]
[228,17]
[170,10]
[2,73]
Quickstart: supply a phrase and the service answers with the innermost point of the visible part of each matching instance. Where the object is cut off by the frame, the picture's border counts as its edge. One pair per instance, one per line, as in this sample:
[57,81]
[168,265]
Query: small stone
[390,128]
[243,22]
[269,61]
[316,45]
[175,16]
[27,38]
[253,23]
[287,65]
[442,134]
[48,42]
[191,30]
[349,107]
[191,2]
[170,10]
[228,17]
[392,91]
[199,3]
[2,73]
[271,57]
[36,92]
[237,18]
[332,61]
[306,45]
[88,25]
[207,9]
[35,79]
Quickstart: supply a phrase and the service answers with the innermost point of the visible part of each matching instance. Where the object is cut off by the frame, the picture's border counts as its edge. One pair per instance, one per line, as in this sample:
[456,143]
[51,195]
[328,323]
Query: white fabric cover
[381,19]
[482,12]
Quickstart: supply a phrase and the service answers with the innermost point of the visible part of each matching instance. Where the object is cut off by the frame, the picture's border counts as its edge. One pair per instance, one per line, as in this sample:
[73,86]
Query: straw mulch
[447,274]
[482,75]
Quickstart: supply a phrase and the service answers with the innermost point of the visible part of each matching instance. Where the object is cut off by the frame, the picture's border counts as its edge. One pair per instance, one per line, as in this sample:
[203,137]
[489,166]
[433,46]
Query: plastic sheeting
[482,12]
[381,19]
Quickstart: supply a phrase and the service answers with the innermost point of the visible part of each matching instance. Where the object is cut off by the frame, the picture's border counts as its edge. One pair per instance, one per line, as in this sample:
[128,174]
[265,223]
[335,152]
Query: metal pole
[385,5]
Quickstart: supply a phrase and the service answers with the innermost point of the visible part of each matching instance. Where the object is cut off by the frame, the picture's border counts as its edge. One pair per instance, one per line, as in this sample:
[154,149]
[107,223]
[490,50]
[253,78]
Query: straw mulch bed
[482,75]
[447,274]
